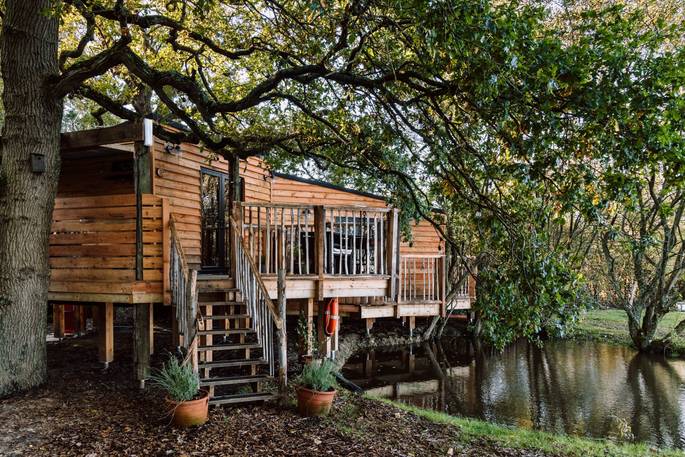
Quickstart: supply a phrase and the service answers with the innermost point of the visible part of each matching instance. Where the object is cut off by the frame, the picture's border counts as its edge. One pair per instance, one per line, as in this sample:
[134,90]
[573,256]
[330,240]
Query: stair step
[216,317]
[203,290]
[233,331]
[232,363]
[242,398]
[233,380]
[229,347]
[221,303]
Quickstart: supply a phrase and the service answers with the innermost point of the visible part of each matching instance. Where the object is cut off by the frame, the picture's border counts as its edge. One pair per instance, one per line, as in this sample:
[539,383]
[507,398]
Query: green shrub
[179,381]
[318,376]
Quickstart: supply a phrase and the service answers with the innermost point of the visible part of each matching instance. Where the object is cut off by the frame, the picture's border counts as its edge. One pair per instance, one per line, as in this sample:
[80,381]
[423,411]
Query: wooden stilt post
[412,324]
[104,313]
[58,320]
[309,314]
[369,325]
[175,337]
[152,328]
[84,312]
[141,342]
[336,337]
[80,314]
[368,364]
[324,341]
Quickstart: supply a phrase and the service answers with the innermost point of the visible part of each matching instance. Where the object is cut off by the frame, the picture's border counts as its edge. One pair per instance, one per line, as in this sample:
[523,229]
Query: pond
[581,388]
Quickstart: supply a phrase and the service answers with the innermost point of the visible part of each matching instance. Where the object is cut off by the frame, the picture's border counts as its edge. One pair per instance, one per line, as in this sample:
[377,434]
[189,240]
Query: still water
[581,388]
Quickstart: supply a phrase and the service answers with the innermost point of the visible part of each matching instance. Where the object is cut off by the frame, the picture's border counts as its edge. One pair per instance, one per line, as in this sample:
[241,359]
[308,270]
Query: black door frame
[223,266]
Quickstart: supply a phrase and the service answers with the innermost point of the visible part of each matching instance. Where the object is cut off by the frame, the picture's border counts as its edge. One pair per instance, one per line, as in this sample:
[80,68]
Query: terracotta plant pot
[314,403]
[190,413]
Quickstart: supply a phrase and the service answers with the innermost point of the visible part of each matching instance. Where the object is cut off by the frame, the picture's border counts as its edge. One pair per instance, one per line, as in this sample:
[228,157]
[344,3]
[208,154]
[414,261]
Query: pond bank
[475,431]
[611,326]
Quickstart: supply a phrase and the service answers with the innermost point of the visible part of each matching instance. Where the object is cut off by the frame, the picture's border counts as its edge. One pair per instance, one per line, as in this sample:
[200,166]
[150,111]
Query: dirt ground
[83,410]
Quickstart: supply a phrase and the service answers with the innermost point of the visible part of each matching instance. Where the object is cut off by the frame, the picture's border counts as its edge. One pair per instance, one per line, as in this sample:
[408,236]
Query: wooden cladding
[284,190]
[93,249]
[425,240]
[177,178]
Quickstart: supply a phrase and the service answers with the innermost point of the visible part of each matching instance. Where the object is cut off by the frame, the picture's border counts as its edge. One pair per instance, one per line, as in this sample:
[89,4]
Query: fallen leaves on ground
[83,410]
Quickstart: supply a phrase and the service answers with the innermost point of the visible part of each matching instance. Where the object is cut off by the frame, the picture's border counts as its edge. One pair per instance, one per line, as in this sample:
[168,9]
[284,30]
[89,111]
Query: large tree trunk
[643,333]
[32,126]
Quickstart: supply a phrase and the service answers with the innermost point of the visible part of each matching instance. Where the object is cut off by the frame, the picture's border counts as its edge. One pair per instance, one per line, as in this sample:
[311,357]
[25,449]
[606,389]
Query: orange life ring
[332,318]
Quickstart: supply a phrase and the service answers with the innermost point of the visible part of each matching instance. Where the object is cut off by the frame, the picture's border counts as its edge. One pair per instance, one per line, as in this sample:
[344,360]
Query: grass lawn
[475,431]
[611,325]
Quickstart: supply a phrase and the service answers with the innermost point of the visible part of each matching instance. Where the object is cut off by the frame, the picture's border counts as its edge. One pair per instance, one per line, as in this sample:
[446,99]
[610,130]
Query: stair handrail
[242,249]
[183,286]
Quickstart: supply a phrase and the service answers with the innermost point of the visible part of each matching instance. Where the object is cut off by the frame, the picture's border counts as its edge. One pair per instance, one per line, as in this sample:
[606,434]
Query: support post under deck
[141,342]
[104,316]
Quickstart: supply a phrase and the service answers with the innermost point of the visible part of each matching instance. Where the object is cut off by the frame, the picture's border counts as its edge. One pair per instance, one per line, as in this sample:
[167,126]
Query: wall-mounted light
[148,136]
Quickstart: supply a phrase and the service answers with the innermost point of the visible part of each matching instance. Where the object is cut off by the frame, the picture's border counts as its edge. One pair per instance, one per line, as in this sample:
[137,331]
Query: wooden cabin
[139,221]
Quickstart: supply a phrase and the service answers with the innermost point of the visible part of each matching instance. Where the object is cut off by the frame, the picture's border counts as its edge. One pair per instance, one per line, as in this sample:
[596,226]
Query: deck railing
[422,278]
[183,286]
[463,286]
[321,239]
[262,311]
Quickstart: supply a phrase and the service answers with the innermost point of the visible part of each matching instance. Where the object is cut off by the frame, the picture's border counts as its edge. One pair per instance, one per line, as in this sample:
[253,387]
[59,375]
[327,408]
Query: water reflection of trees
[575,388]
[579,388]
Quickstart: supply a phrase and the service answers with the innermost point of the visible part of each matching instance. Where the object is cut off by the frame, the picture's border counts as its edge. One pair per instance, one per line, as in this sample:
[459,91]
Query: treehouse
[141,222]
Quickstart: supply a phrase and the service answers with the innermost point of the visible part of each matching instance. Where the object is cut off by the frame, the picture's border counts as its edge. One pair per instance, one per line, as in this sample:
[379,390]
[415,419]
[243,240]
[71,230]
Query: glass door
[214,191]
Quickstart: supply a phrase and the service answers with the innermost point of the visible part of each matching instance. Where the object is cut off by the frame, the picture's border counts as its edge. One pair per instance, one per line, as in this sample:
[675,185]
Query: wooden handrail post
[233,248]
[320,239]
[442,284]
[282,335]
[392,251]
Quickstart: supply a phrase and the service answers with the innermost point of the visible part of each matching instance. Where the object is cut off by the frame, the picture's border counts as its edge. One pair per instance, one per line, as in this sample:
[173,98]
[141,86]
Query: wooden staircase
[234,362]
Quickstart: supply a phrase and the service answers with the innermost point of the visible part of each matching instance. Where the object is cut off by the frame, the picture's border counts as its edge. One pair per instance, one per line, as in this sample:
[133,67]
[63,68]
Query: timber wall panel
[93,247]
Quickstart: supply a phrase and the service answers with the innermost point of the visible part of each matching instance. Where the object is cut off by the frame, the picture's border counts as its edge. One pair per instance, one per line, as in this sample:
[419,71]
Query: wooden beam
[127,131]
[376,311]
[104,315]
[141,342]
